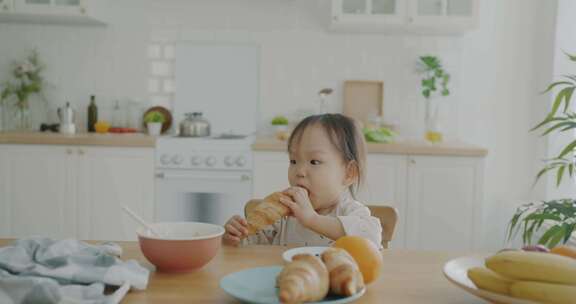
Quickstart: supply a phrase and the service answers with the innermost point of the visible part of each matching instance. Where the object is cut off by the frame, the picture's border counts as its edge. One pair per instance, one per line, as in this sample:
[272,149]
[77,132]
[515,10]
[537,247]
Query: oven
[197,180]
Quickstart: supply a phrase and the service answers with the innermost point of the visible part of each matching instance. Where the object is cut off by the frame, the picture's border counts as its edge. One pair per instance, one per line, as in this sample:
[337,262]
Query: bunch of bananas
[537,276]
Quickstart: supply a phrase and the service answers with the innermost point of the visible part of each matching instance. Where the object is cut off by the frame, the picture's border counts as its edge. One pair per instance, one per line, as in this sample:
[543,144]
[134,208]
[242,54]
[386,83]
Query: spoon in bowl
[141,221]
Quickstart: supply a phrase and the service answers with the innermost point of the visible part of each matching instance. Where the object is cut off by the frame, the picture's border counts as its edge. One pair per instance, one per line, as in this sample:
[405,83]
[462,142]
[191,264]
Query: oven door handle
[241,177]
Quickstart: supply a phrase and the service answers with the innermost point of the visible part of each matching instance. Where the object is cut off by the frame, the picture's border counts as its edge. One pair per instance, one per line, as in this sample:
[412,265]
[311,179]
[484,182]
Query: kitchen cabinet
[37,192]
[439,198]
[62,12]
[74,191]
[444,202]
[270,173]
[404,16]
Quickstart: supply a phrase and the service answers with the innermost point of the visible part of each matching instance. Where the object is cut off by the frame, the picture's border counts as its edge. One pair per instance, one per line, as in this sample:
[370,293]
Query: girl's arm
[328,226]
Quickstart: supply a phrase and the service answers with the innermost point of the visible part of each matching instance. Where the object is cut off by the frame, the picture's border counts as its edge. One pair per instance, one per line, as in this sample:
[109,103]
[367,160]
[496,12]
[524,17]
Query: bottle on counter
[92,114]
[117,115]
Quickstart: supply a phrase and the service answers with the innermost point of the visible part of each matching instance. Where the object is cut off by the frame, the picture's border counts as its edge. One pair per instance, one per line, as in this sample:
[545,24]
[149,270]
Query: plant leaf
[569,148]
[558,236]
[554,84]
[548,234]
[559,174]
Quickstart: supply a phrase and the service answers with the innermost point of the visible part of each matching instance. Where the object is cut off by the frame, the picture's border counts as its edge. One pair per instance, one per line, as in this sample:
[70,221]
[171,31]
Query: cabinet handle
[82,10]
[68,151]
[412,161]
[80,151]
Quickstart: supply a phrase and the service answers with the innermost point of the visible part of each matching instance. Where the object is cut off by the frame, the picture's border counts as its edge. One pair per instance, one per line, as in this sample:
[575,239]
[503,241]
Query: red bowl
[184,246]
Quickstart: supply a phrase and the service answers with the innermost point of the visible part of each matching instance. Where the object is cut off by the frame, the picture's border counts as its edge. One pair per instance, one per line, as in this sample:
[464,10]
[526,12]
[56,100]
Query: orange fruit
[365,253]
[564,250]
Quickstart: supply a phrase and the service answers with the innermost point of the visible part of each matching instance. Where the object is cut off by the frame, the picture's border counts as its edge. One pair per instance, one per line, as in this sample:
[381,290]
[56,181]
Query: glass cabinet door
[359,11]
[73,7]
[454,8]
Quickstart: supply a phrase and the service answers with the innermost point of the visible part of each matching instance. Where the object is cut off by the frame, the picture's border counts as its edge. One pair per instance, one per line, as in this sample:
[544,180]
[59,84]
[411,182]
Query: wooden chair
[388,218]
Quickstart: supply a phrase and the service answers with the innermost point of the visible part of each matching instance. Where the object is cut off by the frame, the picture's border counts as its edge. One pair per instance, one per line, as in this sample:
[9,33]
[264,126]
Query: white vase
[154,128]
[432,121]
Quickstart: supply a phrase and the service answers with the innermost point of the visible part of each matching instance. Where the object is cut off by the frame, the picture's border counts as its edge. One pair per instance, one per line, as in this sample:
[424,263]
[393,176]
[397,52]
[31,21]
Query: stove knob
[211,161]
[228,161]
[196,160]
[177,159]
[165,159]
[241,161]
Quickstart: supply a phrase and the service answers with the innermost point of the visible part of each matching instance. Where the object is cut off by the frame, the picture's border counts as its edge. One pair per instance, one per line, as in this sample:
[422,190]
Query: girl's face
[317,166]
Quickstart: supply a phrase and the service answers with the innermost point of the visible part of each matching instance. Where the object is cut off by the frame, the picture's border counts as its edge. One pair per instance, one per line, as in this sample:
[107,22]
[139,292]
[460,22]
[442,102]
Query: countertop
[408,147]
[88,139]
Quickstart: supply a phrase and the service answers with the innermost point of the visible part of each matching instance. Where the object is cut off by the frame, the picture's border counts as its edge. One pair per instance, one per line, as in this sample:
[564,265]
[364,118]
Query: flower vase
[21,119]
[433,133]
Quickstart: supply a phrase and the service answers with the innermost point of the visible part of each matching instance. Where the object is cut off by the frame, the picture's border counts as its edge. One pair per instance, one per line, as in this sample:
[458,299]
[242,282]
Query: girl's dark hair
[344,134]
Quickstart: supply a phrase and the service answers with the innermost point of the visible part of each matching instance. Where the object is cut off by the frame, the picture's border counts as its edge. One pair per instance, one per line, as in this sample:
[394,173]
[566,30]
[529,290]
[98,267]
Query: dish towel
[43,270]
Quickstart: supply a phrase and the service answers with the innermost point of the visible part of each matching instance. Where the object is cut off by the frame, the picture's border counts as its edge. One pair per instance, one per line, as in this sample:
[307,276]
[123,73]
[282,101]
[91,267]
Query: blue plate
[258,285]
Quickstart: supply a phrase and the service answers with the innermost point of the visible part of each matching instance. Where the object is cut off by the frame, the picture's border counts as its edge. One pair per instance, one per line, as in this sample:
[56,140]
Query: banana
[544,292]
[489,280]
[534,266]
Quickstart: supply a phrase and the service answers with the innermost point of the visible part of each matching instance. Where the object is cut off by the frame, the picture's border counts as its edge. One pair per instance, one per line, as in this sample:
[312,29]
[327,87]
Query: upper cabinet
[62,12]
[405,16]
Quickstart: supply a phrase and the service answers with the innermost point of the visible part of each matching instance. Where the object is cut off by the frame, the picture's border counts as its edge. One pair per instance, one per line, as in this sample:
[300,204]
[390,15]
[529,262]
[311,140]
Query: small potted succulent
[154,121]
[280,124]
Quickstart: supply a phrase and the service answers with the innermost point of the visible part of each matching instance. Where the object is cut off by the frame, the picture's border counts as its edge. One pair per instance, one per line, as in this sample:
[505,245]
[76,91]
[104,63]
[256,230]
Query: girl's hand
[299,204]
[236,229]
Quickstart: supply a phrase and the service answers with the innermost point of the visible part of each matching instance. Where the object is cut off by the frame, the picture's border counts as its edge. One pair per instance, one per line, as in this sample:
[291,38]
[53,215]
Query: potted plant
[434,83]
[557,217]
[154,121]
[280,124]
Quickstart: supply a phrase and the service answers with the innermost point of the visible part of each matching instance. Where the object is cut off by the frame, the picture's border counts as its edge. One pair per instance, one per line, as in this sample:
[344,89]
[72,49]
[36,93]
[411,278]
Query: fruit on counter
[537,248]
[102,126]
[365,253]
[489,280]
[122,130]
[568,251]
[544,292]
[534,266]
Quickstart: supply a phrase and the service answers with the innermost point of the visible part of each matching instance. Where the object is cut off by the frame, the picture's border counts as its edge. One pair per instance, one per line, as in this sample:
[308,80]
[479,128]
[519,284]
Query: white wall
[497,70]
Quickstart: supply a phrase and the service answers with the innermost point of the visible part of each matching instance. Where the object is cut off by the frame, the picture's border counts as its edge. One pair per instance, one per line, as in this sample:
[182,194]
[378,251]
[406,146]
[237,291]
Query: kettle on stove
[194,125]
[67,115]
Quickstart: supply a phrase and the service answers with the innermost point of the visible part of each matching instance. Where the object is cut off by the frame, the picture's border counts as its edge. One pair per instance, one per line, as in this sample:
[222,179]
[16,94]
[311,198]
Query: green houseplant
[154,121]
[434,83]
[557,216]
[280,124]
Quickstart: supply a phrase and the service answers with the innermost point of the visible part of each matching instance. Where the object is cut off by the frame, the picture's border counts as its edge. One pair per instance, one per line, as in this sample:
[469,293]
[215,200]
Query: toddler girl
[327,164]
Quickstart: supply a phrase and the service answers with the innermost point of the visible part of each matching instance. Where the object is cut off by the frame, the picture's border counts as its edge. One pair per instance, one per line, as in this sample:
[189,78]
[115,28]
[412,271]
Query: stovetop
[204,153]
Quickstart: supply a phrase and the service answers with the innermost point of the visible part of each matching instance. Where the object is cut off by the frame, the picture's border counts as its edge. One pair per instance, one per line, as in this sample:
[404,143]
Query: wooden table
[407,277]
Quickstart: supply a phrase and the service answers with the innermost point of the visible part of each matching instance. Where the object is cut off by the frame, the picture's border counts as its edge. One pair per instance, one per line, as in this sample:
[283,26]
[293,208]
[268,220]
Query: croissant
[266,213]
[345,276]
[302,280]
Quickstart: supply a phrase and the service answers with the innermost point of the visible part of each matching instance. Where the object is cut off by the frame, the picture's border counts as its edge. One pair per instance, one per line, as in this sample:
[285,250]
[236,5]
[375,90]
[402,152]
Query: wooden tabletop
[407,277]
[88,139]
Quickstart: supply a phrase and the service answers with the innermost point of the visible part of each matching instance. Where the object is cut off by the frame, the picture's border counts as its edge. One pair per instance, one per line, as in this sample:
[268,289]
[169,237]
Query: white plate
[257,285]
[456,271]
[316,251]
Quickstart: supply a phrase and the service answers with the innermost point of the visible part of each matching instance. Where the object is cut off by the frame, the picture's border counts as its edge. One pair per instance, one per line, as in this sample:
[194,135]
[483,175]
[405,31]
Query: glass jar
[433,132]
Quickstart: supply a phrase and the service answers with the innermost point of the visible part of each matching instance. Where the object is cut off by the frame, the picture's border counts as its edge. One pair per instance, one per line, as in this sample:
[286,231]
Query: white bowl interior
[182,231]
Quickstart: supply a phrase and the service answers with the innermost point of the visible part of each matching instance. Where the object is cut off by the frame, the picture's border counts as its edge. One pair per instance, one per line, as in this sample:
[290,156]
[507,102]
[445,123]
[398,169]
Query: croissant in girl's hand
[266,213]
[302,280]
[345,276]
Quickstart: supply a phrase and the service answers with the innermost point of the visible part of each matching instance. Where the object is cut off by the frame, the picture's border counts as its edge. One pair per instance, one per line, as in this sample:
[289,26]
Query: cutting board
[363,99]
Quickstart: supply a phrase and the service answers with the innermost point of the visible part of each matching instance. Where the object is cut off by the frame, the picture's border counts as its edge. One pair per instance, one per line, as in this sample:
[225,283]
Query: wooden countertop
[400,147]
[88,139]
[407,277]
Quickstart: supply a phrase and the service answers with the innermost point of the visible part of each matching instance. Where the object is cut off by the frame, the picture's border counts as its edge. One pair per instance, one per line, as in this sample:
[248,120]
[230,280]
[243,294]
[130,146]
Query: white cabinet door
[108,179]
[359,12]
[444,202]
[50,7]
[270,173]
[385,184]
[37,196]
[455,14]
